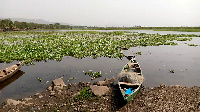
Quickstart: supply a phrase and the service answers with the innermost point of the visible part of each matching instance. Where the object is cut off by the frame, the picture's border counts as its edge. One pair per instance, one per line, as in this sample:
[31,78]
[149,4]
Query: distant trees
[8,25]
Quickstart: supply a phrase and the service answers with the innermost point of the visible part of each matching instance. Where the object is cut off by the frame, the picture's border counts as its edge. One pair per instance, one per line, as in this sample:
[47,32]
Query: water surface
[139,31]
[157,61]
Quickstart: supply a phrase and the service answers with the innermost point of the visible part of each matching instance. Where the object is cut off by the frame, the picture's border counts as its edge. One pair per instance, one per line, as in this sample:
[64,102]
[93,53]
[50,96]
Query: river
[156,63]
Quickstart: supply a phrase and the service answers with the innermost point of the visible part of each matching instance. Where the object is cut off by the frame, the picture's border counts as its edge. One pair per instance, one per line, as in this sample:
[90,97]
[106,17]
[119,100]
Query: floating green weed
[39,79]
[71,79]
[171,71]
[139,53]
[184,39]
[93,74]
[37,46]
[192,45]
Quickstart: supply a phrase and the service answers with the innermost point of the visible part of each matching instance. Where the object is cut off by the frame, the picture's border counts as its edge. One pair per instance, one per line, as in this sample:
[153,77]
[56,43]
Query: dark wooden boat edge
[10,71]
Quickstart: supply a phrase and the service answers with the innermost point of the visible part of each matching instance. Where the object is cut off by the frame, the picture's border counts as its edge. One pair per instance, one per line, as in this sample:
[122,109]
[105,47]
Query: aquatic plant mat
[37,46]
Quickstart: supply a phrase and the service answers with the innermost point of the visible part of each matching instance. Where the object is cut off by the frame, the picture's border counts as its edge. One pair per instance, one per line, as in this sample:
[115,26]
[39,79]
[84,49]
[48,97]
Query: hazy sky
[106,12]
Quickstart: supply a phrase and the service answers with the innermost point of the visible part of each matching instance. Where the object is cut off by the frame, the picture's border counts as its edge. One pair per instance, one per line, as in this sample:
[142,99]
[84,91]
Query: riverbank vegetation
[38,46]
[8,25]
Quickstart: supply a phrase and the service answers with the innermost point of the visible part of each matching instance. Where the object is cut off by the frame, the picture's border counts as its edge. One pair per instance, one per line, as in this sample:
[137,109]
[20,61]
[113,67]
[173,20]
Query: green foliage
[171,71]
[94,74]
[192,45]
[139,53]
[8,25]
[184,39]
[84,94]
[39,79]
[38,46]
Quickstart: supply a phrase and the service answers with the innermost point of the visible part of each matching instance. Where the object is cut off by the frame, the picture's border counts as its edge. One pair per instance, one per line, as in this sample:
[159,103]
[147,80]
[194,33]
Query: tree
[57,25]
[7,24]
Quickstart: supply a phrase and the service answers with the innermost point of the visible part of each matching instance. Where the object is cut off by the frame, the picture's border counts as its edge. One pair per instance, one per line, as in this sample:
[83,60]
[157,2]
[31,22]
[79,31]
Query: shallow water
[68,68]
[156,61]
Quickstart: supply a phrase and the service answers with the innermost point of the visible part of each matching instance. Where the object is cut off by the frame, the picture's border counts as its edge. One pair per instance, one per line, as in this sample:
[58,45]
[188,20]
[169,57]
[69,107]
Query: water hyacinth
[38,46]
[93,74]
[192,45]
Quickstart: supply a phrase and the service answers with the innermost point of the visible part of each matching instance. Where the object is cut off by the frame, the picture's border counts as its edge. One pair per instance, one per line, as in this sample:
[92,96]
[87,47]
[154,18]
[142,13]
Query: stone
[106,82]
[100,90]
[101,83]
[88,83]
[178,86]
[52,93]
[37,94]
[50,88]
[58,84]
[40,96]
[27,99]
[162,86]
[110,81]
[13,102]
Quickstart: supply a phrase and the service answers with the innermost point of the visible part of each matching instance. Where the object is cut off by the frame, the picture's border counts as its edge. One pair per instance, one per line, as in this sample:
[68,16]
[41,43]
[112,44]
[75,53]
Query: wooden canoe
[10,71]
[5,83]
[130,79]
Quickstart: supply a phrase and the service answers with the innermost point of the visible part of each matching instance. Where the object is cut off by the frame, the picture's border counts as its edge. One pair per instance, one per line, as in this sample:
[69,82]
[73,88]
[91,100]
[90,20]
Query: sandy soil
[162,98]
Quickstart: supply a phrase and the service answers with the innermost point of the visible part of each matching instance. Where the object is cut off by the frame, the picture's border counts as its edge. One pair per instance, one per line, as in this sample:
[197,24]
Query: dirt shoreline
[162,98]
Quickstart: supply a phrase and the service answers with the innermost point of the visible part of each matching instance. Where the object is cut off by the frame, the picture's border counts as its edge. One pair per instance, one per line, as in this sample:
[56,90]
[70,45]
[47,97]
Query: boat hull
[10,71]
[128,99]
[131,77]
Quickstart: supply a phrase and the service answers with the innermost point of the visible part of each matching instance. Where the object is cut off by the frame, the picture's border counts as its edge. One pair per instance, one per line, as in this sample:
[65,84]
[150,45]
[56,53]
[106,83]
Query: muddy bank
[166,99]
[81,97]
[61,97]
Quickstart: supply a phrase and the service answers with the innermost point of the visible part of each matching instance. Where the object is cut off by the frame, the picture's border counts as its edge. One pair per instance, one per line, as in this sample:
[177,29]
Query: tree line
[9,25]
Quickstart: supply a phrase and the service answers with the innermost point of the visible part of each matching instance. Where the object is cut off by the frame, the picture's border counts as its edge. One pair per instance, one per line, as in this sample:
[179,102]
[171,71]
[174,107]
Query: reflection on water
[11,79]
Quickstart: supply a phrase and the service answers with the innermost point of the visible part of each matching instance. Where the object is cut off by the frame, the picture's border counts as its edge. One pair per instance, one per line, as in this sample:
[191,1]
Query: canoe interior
[124,86]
